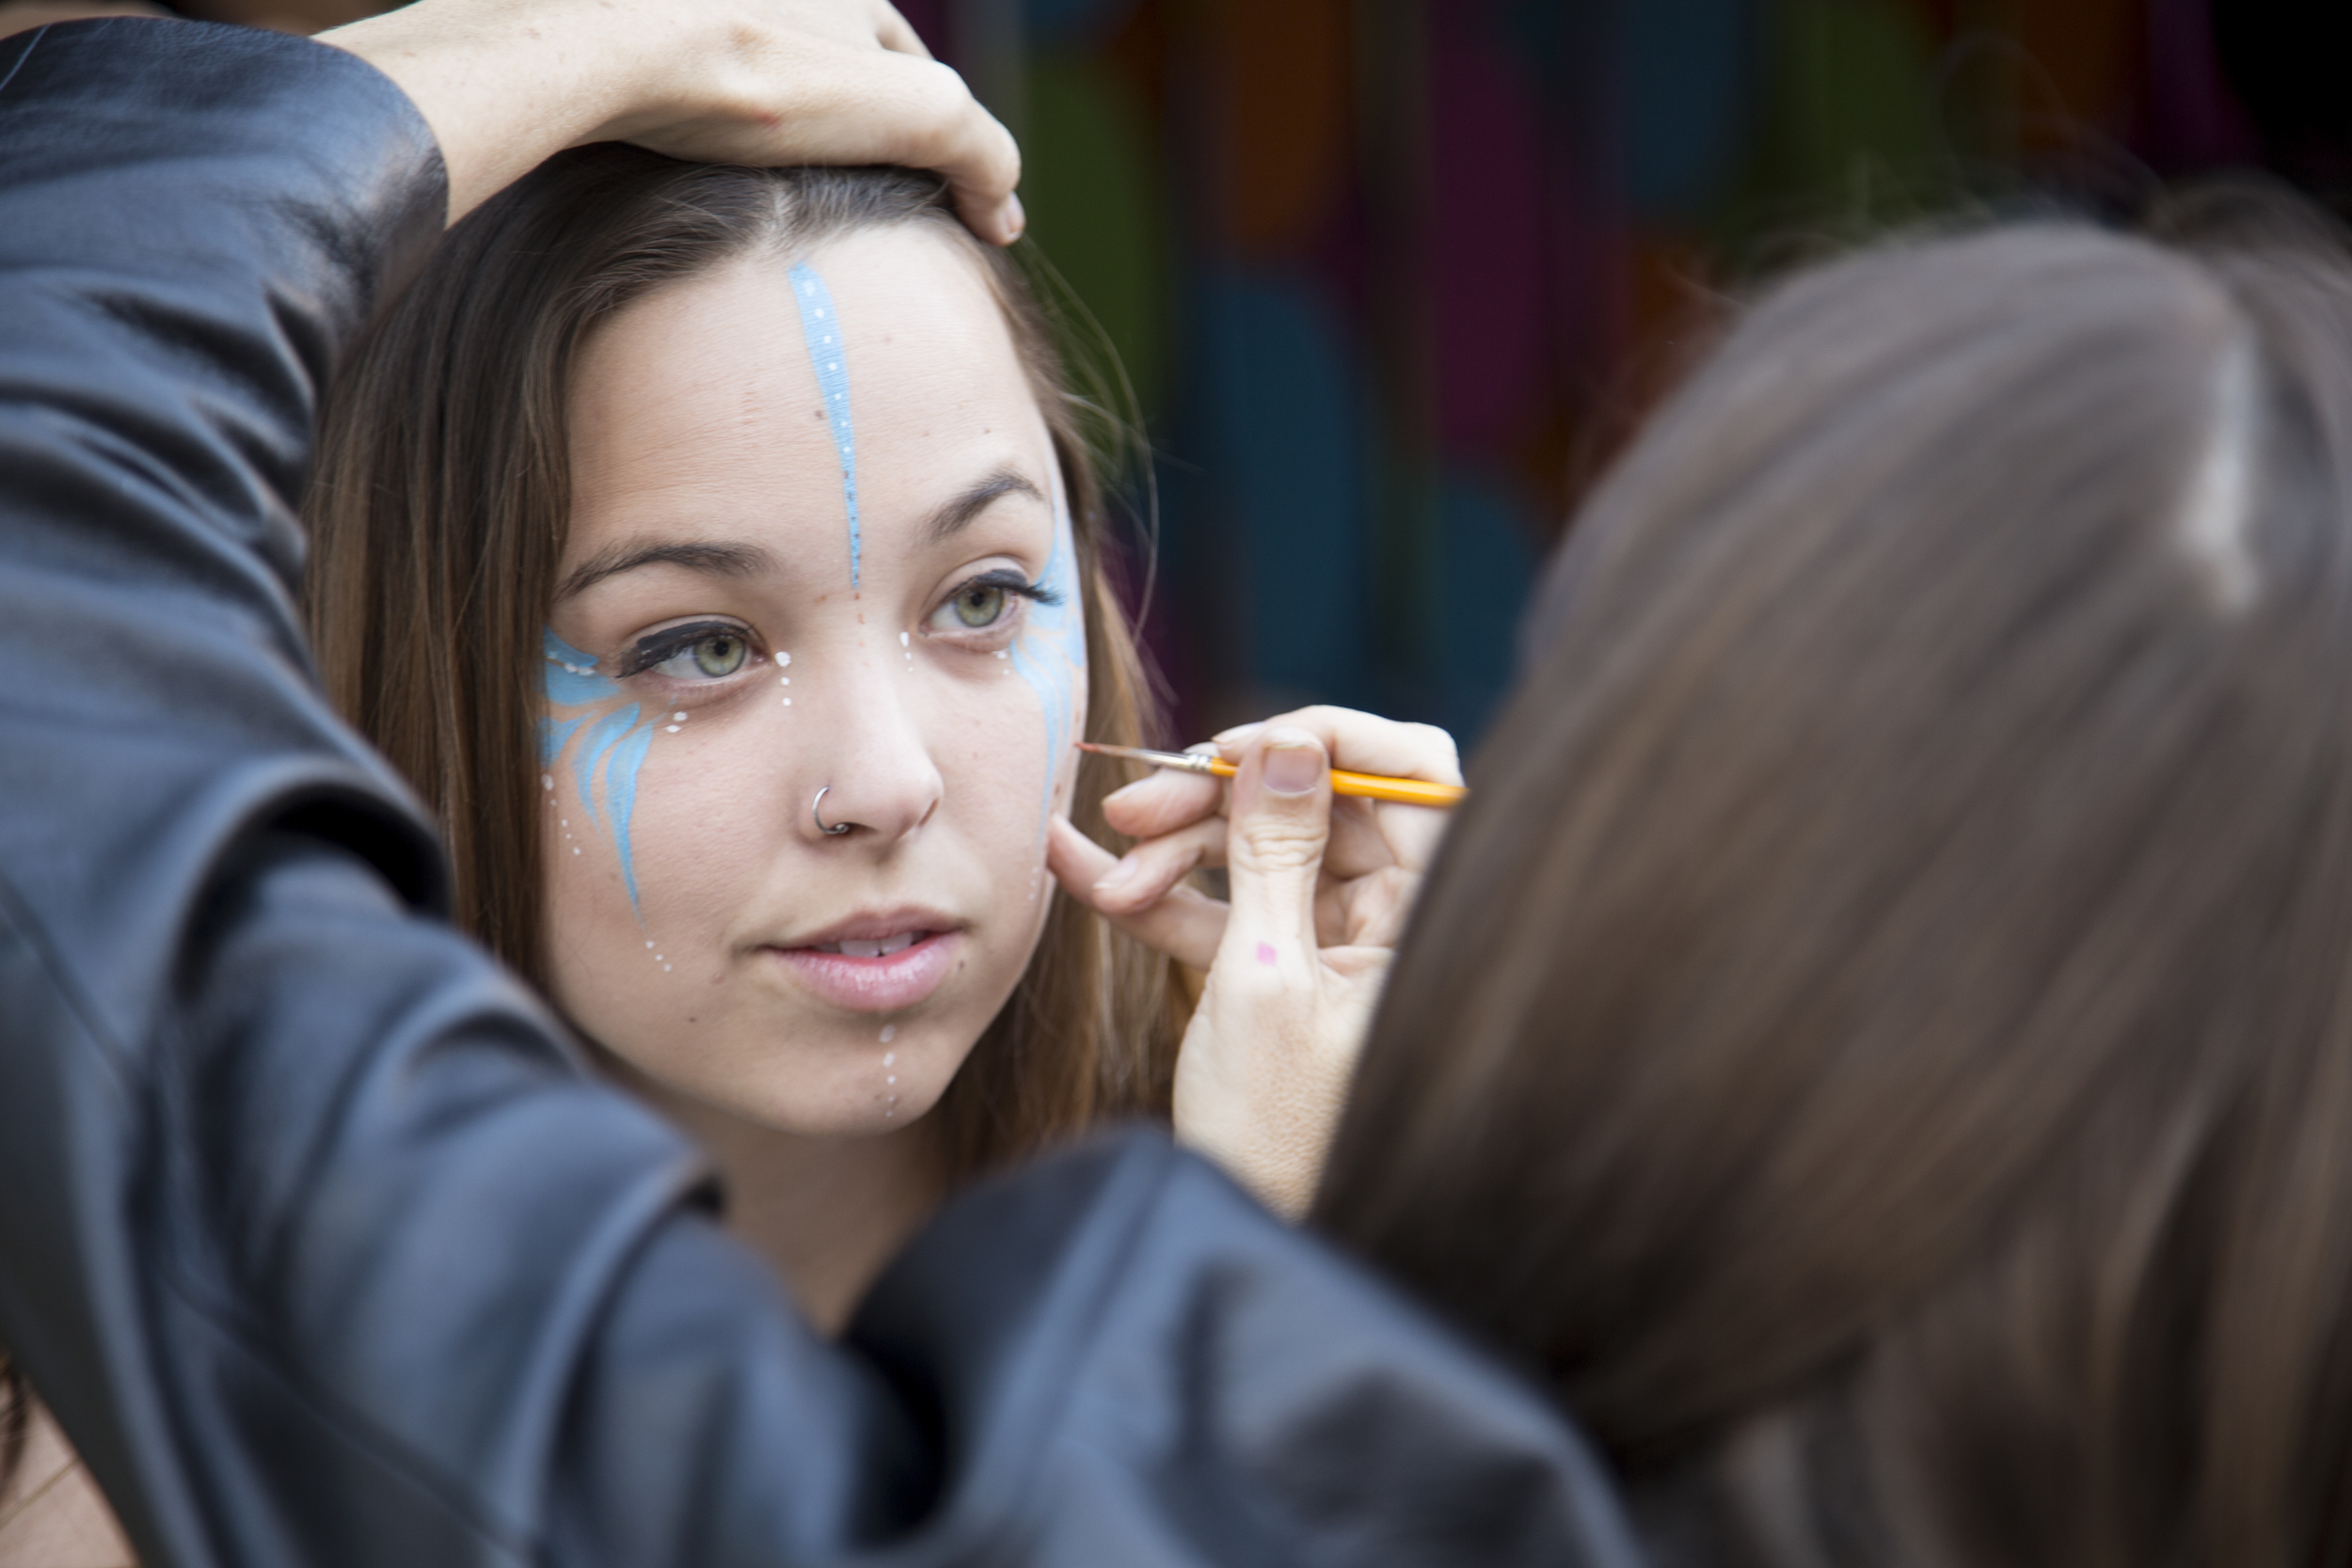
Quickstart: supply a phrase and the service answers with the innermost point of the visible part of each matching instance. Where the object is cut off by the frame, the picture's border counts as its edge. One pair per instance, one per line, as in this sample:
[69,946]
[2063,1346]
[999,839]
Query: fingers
[892,31]
[1146,873]
[1184,923]
[1365,743]
[1369,912]
[1280,824]
[886,107]
[1163,802]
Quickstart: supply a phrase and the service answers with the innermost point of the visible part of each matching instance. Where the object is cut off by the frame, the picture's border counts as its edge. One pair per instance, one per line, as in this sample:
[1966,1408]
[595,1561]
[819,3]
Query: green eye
[703,653]
[979,603]
[719,655]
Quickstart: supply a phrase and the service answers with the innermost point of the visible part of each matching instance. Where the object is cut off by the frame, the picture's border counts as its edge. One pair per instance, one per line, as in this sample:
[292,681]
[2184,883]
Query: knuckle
[1439,742]
[1278,845]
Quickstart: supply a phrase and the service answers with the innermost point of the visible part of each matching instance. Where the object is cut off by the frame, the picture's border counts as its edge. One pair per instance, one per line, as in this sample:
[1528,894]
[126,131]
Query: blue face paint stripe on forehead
[821,328]
[1050,655]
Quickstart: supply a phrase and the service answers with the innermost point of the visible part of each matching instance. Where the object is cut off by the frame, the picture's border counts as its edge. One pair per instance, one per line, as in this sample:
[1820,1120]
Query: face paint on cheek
[1051,652]
[821,328]
[615,740]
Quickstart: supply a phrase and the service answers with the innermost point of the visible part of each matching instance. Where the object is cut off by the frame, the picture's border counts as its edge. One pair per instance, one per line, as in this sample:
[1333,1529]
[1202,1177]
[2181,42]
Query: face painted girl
[762,484]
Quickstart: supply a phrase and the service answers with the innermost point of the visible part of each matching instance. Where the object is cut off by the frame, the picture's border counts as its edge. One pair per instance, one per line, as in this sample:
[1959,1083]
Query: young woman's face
[816,544]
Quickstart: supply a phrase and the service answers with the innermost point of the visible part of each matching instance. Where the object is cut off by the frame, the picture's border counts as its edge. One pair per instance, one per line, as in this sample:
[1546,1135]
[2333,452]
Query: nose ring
[831,829]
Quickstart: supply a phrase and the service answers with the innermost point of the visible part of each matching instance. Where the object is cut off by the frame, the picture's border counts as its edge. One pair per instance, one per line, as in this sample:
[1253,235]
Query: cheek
[709,821]
[989,741]
[670,863]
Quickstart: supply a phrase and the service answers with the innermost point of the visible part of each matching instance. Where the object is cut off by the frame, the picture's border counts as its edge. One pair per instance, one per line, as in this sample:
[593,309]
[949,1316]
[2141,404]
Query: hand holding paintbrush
[1321,883]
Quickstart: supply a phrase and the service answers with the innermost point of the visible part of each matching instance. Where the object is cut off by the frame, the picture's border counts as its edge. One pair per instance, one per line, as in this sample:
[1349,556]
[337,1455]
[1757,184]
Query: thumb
[1280,824]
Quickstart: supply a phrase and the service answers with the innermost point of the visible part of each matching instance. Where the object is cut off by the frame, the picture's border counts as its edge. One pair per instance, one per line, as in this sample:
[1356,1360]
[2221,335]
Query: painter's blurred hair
[1879,1041]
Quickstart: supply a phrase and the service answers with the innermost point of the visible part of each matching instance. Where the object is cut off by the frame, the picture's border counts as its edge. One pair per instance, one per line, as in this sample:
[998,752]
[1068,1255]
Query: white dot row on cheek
[547,782]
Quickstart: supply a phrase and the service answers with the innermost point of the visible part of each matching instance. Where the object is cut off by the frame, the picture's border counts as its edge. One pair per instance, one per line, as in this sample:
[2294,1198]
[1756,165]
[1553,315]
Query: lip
[876,985]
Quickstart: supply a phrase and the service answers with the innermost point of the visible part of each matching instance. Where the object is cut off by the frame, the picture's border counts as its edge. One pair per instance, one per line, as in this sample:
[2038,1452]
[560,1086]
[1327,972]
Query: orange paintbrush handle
[1373,786]
[1369,786]
[1412,792]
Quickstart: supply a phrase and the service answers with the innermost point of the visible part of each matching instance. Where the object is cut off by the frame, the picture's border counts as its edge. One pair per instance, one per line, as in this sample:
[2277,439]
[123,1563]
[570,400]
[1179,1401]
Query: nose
[866,776]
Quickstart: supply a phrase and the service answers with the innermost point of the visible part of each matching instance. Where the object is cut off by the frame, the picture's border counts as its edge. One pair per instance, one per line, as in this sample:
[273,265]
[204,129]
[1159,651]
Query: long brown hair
[1877,1043]
[437,515]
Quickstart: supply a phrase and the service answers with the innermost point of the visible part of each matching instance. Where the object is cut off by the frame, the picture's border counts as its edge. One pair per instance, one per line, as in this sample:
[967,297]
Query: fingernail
[1294,763]
[1238,733]
[1118,875]
[1016,218]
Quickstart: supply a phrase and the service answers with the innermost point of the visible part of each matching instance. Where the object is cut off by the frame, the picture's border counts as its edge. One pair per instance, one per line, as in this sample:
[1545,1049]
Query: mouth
[878,963]
[878,947]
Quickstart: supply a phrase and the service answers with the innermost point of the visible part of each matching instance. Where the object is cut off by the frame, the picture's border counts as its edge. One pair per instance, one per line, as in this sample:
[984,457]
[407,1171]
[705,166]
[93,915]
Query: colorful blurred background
[1390,278]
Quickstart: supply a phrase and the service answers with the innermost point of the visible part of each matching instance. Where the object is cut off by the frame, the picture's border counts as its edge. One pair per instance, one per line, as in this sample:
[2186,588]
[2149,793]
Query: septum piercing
[831,829]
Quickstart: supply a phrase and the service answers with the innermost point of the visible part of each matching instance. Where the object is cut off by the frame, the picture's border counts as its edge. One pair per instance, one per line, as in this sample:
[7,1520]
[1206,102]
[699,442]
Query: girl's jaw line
[881,983]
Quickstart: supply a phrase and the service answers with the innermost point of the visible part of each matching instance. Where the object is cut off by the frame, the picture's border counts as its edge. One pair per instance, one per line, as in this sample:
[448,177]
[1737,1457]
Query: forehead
[704,391]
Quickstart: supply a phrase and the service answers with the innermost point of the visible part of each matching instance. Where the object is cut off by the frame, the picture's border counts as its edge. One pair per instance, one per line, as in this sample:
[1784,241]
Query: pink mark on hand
[1266,955]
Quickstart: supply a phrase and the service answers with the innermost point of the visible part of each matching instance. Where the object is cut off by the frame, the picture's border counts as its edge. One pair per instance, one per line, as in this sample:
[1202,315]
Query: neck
[827,1212]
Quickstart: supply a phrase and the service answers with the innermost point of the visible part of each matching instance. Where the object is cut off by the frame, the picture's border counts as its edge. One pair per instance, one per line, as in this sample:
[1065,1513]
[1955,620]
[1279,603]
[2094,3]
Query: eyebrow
[708,558]
[959,514]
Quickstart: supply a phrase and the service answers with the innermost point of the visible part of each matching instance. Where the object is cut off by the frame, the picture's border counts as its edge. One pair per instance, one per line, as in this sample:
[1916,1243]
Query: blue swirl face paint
[821,328]
[615,741]
[1051,652]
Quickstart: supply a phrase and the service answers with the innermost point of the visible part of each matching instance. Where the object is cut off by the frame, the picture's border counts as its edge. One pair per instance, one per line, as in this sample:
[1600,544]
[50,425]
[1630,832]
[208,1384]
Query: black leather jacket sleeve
[312,1229]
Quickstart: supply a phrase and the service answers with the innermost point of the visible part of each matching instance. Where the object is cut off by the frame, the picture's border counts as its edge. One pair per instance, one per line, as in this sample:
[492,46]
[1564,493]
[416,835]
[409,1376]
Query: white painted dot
[892,1079]
[575,848]
[890,1032]
[665,968]
[787,701]
[547,780]
[679,716]
[902,640]
[1003,652]
[787,679]
[784,661]
[672,728]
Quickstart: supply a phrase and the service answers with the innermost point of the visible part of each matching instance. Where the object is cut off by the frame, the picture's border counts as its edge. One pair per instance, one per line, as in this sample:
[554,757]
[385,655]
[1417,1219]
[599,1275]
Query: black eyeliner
[666,645]
[1012,582]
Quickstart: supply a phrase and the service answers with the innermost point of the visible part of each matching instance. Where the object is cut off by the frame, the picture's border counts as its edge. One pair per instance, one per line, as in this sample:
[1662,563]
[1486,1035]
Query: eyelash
[666,645]
[1008,579]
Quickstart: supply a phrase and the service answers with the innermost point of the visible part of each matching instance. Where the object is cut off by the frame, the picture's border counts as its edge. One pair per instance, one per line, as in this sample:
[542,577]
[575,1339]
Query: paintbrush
[1370,786]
